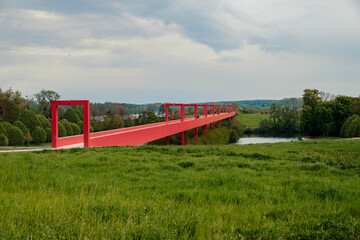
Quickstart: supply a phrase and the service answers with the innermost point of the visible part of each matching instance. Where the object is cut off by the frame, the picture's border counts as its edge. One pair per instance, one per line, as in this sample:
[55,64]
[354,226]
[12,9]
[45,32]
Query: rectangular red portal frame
[55,125]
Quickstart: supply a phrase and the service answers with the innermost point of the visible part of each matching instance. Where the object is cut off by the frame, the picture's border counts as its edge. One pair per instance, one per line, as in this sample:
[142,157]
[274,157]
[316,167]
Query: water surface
[255,140]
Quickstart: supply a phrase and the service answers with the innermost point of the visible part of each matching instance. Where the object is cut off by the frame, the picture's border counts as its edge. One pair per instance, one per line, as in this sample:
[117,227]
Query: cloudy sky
[180,51]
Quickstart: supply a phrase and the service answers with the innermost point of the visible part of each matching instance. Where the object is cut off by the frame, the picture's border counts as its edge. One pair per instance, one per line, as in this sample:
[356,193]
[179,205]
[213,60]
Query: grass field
[298,190]
[251,120]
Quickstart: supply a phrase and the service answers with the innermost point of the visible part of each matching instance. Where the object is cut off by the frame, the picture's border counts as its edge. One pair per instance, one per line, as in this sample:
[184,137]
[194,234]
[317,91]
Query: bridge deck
[134,136]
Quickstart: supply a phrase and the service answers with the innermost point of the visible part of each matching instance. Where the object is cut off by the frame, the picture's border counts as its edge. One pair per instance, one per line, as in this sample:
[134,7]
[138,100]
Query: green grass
[251,120]
[298,190]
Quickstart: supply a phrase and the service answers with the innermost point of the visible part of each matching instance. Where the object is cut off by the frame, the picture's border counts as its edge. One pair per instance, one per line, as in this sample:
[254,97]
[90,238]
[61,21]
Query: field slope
[298,190]
[251,120]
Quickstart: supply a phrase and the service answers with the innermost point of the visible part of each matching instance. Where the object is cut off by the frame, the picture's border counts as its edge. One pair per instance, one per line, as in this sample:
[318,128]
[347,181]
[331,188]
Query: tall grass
[299,190]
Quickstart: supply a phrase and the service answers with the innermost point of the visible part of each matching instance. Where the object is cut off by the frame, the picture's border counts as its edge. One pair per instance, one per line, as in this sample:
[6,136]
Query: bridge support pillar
[219,123]
[205,128]
[196,133]
[182,138]
[167,141]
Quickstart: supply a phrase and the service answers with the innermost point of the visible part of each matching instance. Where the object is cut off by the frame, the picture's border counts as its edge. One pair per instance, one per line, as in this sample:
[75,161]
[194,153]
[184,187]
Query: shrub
[3,129]
[48,134]
[4,141]
[81,125]
[351,130]
[16,136]
[235,125]
[71,115]
[39,135]
[69,130]
[62,130]
[234,137]
[44,121]
[20,125]
[76,129]
[91,129]
[7,126]
[29,119]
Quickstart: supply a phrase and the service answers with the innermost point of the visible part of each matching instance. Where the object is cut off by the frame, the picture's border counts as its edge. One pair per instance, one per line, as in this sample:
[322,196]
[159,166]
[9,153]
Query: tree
[29,119]
[3,129]
[71,115]
[62,130]
[116,122]
[44,121]
[44,98]
[16,136]
[149,117]
[4,141]
[311,101]
[345,126]
[11,105]
[39,135]
[355,106]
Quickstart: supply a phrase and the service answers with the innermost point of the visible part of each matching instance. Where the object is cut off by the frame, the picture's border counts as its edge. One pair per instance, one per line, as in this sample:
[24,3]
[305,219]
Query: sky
[180,51]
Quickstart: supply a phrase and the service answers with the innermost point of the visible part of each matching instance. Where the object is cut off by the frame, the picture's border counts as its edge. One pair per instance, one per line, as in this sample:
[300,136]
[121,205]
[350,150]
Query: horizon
[160,51]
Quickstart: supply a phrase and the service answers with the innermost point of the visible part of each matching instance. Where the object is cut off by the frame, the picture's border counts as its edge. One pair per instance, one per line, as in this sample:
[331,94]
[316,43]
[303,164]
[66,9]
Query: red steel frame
[56,141]
[138,135]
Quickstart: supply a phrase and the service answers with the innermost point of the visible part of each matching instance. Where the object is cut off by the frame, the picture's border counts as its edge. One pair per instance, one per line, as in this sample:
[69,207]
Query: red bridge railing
[138,135]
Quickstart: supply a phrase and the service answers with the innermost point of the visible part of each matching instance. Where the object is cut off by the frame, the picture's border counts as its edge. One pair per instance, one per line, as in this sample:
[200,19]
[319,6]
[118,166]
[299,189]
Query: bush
[351,131]
[62,130]
[16,136]
[3,129]
[345,126]
[45,123]
[22,127]
[4,141]
[69,130]
[29,119]
[48,134]
[7,127]
[71,115]
[39,135]
[235,125]
[81,126]
[76,129]
[234,137]
[91,129]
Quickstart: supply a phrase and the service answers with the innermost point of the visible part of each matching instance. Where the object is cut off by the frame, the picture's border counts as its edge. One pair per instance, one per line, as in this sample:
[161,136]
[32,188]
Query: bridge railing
[139,134]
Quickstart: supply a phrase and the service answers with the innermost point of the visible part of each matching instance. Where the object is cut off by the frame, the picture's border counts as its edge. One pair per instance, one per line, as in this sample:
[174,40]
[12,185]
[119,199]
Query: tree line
[322,114]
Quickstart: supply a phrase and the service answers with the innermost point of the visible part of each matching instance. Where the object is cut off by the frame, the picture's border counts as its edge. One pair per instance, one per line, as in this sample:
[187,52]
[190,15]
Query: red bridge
[134,136]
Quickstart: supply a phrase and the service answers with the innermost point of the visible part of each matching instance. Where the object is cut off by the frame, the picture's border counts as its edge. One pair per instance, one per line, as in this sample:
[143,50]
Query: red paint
[137,135]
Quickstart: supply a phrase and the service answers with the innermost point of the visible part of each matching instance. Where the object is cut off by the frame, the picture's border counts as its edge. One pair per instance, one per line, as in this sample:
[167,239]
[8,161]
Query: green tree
[76,129]
[44,98]
[345,126]
[311,101]
[39,135]
[22,126]
[352,128]
[3,129]
[116,122]
[71,115]
[29,119]
[44,121]
[355,106]
[48,134]
[68,127]
[4,141]
[16,136]
[62,130]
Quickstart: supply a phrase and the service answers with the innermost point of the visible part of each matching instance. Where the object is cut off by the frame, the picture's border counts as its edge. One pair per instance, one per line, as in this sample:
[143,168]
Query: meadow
[296,190]
[251,120]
